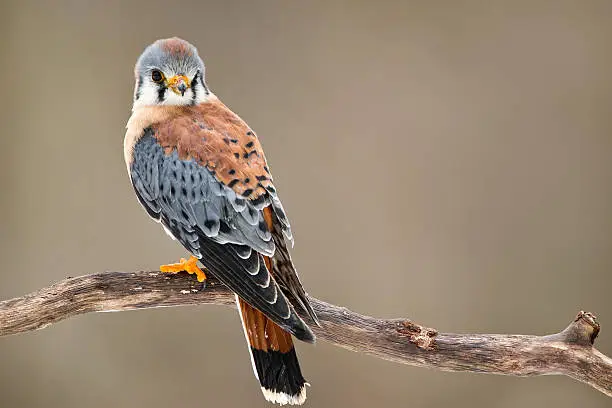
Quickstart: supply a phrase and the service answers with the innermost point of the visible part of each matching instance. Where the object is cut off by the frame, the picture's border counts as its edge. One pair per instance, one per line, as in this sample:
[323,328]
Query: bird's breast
[142,118]
[211,135]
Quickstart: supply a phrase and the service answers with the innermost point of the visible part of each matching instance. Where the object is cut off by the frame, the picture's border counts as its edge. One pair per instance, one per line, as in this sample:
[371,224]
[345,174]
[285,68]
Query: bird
[200,171]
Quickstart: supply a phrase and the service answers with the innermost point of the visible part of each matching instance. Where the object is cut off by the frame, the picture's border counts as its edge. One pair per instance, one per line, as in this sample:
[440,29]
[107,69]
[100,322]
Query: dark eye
[157,76]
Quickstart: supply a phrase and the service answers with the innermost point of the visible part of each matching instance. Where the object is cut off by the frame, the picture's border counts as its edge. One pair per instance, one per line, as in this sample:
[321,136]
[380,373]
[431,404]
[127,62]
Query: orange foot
[190,266]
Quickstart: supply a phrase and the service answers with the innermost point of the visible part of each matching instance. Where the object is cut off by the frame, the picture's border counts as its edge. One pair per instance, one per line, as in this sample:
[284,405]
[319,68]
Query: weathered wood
[569,352]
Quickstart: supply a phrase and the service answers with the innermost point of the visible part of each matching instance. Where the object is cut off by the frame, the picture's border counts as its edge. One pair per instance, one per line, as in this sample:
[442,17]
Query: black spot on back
[262,225]
[209,224]
[259,200]
[224,228]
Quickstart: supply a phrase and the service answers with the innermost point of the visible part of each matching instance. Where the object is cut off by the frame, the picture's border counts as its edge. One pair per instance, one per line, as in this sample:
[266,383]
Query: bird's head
[170,72]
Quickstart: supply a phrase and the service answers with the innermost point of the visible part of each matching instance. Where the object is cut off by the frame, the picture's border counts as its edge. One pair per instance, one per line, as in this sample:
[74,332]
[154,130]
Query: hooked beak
[179,84]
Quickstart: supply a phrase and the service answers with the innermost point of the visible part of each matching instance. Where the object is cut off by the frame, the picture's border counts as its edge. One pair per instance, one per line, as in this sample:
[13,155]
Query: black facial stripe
[161,92]
[194,91]
[138,86]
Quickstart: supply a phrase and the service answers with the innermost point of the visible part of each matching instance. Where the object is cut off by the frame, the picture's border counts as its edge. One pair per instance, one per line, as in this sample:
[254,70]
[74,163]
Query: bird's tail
[273,357]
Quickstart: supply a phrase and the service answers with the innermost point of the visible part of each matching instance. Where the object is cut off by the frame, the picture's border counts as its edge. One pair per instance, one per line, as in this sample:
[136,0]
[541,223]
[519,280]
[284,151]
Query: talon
[187,265]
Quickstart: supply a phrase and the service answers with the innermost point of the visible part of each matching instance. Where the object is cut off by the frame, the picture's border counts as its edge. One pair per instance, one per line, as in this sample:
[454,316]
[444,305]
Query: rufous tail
[273,356]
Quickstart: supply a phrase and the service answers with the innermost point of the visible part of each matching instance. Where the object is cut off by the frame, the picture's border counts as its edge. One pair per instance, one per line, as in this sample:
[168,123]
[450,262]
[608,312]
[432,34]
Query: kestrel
[200,171]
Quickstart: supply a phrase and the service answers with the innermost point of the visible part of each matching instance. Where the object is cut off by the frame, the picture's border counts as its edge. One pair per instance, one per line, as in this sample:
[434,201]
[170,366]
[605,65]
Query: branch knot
[420,336]
[590,323]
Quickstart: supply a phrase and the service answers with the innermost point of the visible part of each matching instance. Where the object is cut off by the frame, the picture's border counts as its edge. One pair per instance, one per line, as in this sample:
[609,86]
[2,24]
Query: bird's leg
[188,265]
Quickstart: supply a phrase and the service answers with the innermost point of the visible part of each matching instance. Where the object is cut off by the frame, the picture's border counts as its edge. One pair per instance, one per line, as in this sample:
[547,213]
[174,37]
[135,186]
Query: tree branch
[569,352]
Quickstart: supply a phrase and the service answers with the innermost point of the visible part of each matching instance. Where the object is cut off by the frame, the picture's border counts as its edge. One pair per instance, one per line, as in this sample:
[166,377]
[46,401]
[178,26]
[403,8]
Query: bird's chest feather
[211,135]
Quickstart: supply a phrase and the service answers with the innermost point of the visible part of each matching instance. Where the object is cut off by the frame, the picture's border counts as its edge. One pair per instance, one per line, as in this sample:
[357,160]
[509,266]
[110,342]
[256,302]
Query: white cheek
[148,95]
[202,95]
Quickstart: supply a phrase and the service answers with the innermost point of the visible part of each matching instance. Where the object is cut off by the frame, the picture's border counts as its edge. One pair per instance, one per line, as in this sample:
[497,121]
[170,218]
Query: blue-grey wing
[227,232]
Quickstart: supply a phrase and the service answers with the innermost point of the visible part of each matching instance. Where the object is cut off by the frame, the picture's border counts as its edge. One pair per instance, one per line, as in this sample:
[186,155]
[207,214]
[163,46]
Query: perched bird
[200,171]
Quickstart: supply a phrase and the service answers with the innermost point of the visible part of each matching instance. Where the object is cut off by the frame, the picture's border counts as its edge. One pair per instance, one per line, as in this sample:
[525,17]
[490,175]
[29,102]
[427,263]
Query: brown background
[446,161]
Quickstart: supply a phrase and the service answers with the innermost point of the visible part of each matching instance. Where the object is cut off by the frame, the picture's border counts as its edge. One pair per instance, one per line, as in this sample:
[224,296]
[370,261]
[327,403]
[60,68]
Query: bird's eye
[157,76]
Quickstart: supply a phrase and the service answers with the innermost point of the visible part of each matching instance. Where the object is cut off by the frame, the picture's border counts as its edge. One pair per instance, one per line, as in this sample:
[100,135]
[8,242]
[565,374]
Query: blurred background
[446,161]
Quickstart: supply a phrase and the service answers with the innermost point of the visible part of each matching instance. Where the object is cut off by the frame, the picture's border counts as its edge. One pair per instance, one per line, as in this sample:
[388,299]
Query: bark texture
[569,352]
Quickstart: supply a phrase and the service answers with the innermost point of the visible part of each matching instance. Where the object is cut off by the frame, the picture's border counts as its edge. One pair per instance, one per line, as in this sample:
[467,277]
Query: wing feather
[223,229]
